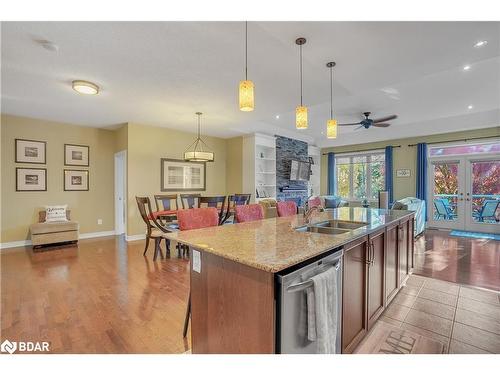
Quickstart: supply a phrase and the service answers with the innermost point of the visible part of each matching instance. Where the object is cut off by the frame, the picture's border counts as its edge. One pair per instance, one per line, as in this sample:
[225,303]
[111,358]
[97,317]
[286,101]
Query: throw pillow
[55,213]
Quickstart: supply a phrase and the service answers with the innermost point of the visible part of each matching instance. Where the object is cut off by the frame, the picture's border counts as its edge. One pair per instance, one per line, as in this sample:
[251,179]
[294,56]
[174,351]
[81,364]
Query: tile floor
[464,319]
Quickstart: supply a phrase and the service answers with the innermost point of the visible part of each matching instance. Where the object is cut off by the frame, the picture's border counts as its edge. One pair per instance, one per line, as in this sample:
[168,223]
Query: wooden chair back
[217,202]
[144,206]
[166,202]
[233,201]
[190,200]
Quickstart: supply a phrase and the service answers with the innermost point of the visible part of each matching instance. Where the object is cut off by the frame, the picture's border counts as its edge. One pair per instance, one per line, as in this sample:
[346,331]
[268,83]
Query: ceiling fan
[368,122]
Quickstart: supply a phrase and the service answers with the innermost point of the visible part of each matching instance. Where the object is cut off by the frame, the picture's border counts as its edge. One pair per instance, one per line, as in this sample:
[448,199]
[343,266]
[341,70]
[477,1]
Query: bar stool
[233,201]
[196,218]
[218,202]
[286,208]
[249,212]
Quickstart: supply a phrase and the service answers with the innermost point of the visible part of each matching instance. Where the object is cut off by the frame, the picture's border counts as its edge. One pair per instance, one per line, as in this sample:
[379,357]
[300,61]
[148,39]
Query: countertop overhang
[273,245]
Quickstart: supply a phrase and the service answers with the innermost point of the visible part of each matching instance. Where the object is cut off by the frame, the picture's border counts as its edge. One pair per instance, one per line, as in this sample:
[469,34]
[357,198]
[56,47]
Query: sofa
[269,206]
[329,201]
[416,205]
[43,233]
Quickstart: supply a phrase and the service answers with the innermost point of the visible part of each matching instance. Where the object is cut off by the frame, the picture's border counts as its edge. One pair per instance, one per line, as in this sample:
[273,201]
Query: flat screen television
[300,170]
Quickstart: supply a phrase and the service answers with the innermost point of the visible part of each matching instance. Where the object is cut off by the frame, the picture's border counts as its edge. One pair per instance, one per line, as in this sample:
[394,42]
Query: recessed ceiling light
[470,106]
[85,87]
[277,117]
[466,67]
[481,43]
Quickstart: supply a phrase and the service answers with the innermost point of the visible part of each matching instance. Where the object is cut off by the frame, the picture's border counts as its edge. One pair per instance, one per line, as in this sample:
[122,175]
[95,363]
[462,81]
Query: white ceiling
[160,73]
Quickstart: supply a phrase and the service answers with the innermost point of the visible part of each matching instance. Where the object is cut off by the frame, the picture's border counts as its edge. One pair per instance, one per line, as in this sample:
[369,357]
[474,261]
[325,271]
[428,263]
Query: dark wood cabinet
[354,294]
[376,276]
[391,263]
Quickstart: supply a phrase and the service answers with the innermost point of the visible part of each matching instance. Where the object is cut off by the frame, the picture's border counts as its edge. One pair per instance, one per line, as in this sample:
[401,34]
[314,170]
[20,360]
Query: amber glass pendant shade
[246,96]
[301,117]
[331,129]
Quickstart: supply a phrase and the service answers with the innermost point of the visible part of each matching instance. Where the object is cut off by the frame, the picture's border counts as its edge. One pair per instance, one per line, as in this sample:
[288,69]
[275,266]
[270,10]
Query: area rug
[388,339]
[478,235]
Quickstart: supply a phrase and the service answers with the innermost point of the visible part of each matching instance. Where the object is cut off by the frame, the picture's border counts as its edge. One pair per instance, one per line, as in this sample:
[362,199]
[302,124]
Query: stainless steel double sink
[331,227]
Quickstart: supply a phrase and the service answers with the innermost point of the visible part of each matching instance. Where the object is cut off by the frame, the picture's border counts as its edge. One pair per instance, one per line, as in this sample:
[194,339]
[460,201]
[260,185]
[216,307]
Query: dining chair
[166,208]
[249,212]
[153,228]
[218,202]
[286,208]
[196,218]
[233,201]
[190,200]
[487,211]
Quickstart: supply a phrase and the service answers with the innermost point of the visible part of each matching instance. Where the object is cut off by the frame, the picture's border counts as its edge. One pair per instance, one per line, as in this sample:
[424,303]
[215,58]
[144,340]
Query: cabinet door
[403,251]
[376,283]
[354,294]
[391,263]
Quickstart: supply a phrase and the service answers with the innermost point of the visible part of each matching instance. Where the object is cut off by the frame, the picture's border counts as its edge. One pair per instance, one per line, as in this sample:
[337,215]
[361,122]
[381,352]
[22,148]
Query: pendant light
[246,86]
[331,124]
[195,151]
[301,110]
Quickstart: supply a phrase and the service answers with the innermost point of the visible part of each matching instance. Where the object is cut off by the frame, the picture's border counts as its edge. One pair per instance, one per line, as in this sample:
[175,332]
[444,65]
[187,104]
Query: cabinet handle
[368,259]
[373,253]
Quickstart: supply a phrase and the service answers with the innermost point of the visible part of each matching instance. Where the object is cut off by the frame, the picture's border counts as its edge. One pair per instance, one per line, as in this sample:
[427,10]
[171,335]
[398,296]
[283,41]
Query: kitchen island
[234,272]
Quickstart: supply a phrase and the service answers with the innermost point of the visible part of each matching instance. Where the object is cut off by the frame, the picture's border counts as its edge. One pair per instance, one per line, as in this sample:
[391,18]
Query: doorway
[120,192]
[464,187]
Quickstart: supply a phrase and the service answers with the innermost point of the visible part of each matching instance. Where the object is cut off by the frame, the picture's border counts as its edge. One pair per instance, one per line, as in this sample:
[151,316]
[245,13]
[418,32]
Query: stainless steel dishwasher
[291,308]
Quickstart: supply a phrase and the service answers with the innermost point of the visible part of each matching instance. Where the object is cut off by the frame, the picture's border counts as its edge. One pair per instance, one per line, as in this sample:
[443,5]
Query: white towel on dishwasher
[324,318]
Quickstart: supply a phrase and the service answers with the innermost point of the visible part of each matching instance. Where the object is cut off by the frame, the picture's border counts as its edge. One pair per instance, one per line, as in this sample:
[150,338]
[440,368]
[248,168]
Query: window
[360,176]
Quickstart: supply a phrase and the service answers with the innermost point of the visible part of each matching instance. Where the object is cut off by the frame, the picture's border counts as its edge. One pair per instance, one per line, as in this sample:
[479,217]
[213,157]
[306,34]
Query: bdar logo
[8,346]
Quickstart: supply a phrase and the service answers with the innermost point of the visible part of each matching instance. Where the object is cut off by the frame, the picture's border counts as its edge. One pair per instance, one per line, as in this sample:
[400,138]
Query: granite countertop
[273,244]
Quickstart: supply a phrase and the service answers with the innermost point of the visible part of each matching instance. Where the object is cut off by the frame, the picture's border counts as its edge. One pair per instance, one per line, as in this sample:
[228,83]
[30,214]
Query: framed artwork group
[29,151]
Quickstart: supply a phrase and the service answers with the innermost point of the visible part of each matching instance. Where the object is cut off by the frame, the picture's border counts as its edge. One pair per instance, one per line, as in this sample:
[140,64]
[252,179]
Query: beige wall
[20,209]
[405,157]
[146,146]
[234,165]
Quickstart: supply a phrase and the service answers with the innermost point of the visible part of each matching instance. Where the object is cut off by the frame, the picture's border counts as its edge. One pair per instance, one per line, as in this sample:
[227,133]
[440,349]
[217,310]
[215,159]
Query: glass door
[446,189]
[482,199]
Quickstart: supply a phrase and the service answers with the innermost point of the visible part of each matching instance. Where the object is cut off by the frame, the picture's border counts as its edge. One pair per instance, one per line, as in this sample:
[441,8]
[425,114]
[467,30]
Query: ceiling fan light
[301,117]
[246,96]
[331,129]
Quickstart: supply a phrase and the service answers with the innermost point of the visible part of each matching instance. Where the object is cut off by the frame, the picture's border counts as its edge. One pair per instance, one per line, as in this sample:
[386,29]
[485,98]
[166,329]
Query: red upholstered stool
[196,218]
[249,212]
[288,208]
[314,202]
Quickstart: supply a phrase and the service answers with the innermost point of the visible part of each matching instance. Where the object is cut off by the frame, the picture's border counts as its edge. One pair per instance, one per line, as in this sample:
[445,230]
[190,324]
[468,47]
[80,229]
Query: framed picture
[29,151]
[178,175]
[403,173]
[75,180]
[76,155]
[31,179]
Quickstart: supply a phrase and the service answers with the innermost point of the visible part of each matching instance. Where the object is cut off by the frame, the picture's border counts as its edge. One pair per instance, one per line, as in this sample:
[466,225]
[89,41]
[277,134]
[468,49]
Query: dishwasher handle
[308,283]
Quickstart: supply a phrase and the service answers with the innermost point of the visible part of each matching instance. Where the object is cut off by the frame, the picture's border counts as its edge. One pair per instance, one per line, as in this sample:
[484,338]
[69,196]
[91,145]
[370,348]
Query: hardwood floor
[458,259]
[101,296]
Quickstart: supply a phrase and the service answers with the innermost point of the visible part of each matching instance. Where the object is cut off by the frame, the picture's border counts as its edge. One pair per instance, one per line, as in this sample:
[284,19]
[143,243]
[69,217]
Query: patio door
[446,203]
[464,193]
[482,194]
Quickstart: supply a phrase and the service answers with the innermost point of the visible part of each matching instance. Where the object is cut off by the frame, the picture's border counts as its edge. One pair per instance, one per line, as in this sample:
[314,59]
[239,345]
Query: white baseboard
[6,245]
[135,237]
[82,236]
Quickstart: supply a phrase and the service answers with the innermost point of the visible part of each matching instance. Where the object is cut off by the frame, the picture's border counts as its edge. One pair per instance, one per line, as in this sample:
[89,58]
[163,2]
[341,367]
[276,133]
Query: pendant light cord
[300,75]
[246,50]
[331,92]
[199,132]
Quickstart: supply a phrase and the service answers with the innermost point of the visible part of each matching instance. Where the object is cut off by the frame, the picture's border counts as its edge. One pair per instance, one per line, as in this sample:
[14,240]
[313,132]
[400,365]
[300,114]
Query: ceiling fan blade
[381,125]
[350,124]
[359,127]
[387,118]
